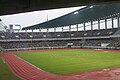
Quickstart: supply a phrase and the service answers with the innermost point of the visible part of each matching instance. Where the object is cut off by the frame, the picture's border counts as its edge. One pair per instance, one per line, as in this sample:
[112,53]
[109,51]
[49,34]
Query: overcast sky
[31,18]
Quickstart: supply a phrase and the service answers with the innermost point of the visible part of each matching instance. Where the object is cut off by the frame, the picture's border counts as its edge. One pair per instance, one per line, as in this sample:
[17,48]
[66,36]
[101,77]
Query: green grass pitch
[71,61]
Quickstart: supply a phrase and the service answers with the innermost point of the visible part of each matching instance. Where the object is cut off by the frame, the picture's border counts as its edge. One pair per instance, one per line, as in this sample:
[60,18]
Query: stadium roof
[18,6]
[86,14]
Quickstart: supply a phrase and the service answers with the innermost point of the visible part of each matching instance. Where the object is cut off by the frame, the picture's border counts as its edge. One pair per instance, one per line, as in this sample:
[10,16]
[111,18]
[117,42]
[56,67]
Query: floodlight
[72,34]
[91,6]
[17,36]
[44,36]
[58,35]
[3,36]
[76,12]
[31,36]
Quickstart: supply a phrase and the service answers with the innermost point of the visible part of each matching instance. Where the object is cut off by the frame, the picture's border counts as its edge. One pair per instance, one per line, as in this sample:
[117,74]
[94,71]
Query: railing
[51,39]
[34,48]
[39,48]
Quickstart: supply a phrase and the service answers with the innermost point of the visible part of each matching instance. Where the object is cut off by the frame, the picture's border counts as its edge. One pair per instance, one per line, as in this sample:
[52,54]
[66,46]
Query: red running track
[27,71]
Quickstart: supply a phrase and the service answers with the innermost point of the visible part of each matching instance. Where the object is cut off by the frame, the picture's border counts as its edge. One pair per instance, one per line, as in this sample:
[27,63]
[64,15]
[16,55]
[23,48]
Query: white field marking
[106,51]
[106,69]
[3,60]
[98,49]
[46,79]
[100,72]
[77,75]
[31,64]
[14,72]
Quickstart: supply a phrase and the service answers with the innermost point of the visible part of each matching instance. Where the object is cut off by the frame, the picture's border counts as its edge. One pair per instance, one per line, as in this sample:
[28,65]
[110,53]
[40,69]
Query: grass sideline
[72,61]
[5,72]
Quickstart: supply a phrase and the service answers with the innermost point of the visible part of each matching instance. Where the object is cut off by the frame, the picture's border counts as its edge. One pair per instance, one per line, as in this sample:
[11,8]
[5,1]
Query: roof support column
[18,31]
[47,29]
[112,22]
[54,29]
[32,32]
[91,25]
[105,23]
[84,26]
[77,26]
[69,27]
[118,21]
[98,24]
[62,29]
[39,30]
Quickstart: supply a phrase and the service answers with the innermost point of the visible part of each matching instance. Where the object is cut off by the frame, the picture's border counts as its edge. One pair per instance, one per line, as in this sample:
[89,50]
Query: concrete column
[32,30]
[19,34]
[98,24]
[39,30]
[84,27]
[118,20]
[105,23]
[62,29]
[70,28]
[91,25]
[54,29]
[77,26]
[112,22]
[47,30]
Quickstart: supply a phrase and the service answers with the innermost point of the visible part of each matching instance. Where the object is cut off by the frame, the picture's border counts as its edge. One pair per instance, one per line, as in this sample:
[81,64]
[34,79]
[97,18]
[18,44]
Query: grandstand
[89,27]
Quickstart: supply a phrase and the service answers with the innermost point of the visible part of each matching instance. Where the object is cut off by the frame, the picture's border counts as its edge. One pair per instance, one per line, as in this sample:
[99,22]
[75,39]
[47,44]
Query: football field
[71,61]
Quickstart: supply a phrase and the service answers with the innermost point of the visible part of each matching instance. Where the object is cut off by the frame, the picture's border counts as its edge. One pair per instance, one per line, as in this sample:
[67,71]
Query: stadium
[81,45]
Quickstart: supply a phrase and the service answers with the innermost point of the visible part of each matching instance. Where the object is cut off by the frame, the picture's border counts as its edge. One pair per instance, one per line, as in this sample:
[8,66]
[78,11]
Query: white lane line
[3,60]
